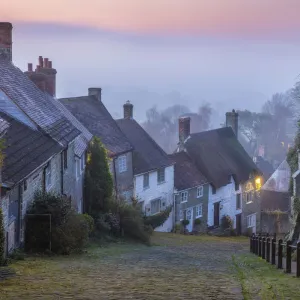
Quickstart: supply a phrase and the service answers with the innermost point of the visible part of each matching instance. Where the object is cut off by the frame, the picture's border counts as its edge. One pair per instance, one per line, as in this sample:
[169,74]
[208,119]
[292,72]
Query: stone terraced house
[44,145]
[153,171]
[230,171]
[92,113]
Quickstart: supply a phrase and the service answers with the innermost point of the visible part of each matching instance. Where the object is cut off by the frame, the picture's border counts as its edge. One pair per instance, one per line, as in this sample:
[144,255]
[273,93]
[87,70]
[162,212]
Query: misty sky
[233,53]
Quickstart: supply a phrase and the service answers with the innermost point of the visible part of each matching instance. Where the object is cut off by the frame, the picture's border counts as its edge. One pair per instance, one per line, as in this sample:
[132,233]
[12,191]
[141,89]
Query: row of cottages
[214,176]
[140,168]
[44,145]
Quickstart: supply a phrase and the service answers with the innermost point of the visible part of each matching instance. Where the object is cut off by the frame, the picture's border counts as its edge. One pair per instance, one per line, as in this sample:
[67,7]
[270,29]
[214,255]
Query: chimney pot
[41,62]
[30,67]
[6,41]
[184,129]
[232,119]
[46,60]
[96,92]
[128,110]
[50,64]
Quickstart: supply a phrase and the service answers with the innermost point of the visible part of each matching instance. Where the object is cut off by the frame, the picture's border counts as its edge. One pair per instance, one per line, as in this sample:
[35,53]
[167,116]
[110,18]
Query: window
[155,206]
[161,175]
[184,197]
[199,191]
[25,185]
[48,180]
[214,190]
[181,215]
[251,220]
[199,211]
[122,164]
[77,164]
[248,197]
[82,164]
[238,201]
[65,158]
[236,184]
[146,181]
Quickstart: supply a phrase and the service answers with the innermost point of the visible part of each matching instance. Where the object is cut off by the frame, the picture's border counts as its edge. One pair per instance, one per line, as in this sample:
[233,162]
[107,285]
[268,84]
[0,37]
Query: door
[189,216]
[217,214]
[238,224]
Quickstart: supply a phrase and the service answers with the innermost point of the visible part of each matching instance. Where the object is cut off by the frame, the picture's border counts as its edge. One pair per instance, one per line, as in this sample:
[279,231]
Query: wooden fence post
[298,260]
[263,250]
[273,251]
[268,250]
[279,254]
[259,246]
[288,265]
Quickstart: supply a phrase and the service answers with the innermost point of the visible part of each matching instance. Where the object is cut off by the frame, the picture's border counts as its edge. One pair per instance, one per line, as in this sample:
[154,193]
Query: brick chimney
[95,92]
[184,129]
[44,76]
[232,119]
[128,110]
[6,41]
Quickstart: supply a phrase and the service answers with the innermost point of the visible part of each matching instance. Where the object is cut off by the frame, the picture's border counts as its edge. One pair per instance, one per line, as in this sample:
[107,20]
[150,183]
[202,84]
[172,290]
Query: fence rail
[271,250]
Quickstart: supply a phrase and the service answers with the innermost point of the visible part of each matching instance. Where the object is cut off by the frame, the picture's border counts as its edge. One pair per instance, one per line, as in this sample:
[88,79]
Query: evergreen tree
[98,180]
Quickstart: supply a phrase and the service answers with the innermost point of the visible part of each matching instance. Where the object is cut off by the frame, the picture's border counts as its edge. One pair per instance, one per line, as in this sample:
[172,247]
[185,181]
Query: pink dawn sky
[231,53]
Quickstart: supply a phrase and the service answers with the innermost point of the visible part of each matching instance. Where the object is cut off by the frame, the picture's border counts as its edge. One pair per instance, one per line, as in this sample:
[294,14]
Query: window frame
[200,207]
[161,172]
[200,188]
[248,195]
[122,163]
[252,218]
[159,206]
[184,197]
[146,175]
[238,200]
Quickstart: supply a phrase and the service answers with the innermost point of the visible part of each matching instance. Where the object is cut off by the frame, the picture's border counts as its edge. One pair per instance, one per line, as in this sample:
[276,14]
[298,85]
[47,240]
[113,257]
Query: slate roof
[24,150]
[22,99]
[147,155]
[186,173]
[95,117]
[218,154]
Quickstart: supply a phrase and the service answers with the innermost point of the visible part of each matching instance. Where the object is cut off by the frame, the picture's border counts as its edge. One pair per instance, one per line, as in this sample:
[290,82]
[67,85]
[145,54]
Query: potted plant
[184,224]
[197,224]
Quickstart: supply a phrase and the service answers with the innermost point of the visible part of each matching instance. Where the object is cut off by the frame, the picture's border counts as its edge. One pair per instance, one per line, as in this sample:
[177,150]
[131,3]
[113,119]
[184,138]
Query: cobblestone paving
[175,269]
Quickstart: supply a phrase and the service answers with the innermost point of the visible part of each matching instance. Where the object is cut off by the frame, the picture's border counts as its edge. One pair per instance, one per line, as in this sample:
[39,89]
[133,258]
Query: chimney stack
[184,129]
[232,119]
[128,110]
[44,76]
[95,92]
[6,41]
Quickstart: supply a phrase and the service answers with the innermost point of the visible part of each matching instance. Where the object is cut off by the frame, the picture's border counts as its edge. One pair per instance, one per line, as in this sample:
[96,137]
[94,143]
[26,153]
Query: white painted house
[153,172]
[221,158]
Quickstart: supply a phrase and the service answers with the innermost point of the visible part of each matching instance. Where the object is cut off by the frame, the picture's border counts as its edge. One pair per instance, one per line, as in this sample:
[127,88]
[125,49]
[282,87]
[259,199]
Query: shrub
[17,254]
[69,230]
[159,219]
[226,222]
[185,222]
[2,239]
[197,221]
[90,221]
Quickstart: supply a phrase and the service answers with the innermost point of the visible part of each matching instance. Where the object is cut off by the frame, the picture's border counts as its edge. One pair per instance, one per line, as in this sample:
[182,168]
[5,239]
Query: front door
[238,224]
[217,214]
[189,216]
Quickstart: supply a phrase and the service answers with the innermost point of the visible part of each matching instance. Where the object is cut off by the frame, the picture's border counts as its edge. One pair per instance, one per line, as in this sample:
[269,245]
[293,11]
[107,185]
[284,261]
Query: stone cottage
[153,171]
[226,165]
[92,113]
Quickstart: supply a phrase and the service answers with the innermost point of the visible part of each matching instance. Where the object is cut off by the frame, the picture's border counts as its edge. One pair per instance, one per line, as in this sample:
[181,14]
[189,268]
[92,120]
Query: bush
[69,230]
[197,222]
[159,219]
[90,221]
[226,222]
[2,239]
[17,254]
[185,222]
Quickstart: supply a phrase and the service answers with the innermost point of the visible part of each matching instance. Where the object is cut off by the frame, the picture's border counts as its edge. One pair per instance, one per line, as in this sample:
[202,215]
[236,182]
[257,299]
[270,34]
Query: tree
[98,179]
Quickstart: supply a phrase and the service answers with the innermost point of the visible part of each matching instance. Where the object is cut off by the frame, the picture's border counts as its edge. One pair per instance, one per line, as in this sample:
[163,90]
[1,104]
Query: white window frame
[251,219]
[181,214]
[247,195]
[184,197]
[48,176]
[199,211]
[159,172]
[159,206]
[148,185]
[122,163]
[200,191]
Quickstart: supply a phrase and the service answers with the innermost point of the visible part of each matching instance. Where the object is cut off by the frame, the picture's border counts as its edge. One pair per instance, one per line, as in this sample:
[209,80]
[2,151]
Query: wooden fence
[273,252]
